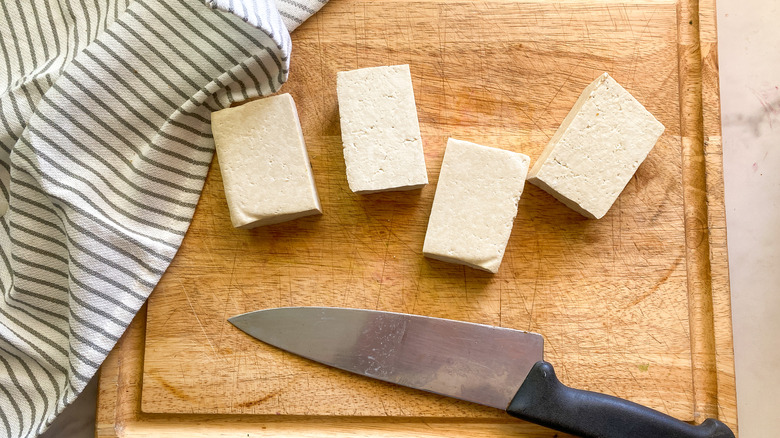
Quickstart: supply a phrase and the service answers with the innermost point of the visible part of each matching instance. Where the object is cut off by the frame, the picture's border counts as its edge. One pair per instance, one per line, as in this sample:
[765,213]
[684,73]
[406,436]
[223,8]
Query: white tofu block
[379,128]
[475,205]
[597,148]
[264,164]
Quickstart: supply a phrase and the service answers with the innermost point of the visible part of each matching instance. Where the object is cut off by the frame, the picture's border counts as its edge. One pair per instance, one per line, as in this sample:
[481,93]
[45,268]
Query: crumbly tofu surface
[265,167]
[475,205]
[379,129]
[597,148]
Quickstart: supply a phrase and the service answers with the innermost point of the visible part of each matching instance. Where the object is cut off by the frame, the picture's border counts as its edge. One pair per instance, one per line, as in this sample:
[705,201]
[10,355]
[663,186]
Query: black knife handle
[543,399]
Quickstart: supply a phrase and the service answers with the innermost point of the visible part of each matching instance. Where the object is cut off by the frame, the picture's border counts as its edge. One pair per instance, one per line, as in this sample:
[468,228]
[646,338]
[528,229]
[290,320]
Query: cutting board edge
[719,266]
[709,293]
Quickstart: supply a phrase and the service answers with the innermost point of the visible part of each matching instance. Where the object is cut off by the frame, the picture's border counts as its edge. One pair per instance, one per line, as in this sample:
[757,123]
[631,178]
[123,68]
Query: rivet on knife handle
[544,400]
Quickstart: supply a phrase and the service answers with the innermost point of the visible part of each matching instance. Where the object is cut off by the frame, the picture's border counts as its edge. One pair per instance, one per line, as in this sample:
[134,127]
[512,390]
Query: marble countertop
[750,99]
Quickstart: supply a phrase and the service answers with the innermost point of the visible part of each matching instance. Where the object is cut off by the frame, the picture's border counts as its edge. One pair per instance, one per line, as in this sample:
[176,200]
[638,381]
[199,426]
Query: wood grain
[635,304]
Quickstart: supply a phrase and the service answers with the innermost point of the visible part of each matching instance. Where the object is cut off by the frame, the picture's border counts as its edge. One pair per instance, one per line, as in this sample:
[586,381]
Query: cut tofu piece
[475,205]
[264,164]
[379,128]
[597,149]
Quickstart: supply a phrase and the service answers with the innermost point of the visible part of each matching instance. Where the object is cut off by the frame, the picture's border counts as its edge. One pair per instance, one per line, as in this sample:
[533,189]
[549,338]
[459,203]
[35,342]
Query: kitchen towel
[105,142]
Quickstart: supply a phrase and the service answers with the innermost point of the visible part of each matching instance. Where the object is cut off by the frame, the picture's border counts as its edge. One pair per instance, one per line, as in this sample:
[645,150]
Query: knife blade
[493,366]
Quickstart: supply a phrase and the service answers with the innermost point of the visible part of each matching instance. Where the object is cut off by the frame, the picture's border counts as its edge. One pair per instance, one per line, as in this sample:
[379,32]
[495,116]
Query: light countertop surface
[750,100]
[748,39]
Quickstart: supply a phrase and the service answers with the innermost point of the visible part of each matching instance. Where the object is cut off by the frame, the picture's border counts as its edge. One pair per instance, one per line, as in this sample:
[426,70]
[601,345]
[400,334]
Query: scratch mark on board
[658,284]
[260,400]
[200,324]
[178,393]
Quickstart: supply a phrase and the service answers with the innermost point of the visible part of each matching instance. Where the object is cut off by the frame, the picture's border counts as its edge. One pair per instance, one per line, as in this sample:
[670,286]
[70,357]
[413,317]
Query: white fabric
[105,142]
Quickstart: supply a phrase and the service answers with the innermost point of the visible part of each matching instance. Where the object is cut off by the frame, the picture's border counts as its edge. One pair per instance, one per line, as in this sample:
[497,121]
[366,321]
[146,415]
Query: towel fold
[105,142]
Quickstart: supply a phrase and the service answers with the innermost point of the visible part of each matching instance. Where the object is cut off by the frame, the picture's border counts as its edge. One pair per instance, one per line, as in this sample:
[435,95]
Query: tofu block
[597,149]
[379,128]
[264,164]
[475,205]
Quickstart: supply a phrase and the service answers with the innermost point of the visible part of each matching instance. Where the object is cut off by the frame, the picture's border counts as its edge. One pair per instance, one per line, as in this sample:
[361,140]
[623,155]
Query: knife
[493,366]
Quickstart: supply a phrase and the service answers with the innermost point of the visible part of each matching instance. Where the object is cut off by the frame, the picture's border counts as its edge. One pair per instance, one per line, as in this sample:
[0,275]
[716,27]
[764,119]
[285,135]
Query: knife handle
[544,400]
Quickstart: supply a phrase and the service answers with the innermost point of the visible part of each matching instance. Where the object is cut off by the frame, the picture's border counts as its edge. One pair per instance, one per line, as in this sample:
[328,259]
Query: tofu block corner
[475,205]
[597,149]
[265,167]
[380,132]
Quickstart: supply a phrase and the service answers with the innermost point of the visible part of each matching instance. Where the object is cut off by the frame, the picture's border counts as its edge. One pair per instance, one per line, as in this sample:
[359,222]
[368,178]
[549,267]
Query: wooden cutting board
[634,305]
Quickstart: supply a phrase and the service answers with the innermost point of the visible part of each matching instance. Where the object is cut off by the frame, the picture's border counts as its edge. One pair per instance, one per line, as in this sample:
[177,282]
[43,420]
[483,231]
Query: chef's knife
[493,366]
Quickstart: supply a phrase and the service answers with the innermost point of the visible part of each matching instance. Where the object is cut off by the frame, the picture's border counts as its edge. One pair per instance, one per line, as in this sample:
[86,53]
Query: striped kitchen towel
[105,142]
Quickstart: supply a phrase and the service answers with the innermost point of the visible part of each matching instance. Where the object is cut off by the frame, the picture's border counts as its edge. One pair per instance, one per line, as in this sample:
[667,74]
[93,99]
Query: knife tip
[235,320]
[241,321]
